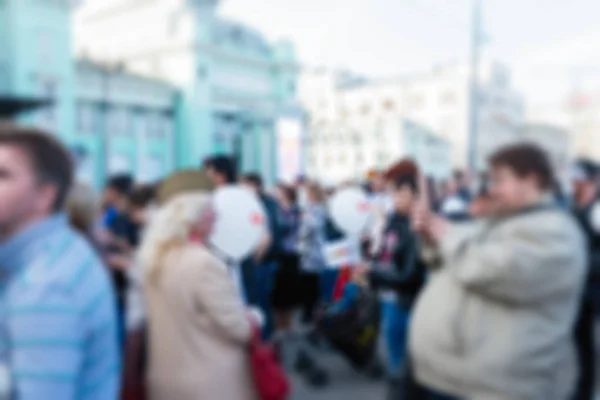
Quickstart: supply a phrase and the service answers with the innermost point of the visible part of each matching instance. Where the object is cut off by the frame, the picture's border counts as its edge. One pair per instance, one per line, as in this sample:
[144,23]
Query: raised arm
[527,264]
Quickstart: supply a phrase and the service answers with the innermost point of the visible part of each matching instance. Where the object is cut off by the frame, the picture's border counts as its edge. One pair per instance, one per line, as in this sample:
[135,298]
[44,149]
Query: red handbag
[269,377]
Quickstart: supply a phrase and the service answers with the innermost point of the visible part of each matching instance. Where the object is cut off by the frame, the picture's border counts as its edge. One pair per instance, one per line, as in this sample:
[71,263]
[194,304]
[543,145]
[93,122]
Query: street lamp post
[474,87]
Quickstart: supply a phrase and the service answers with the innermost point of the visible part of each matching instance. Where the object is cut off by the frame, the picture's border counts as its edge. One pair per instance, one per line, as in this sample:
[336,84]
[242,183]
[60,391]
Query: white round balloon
[240,224]
[350,210]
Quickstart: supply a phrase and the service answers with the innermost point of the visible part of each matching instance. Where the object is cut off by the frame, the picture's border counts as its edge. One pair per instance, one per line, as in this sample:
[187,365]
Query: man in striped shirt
[58,336]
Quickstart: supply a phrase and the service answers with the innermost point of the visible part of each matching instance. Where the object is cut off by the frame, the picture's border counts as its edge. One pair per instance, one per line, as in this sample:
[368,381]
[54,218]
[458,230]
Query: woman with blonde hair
[199,329]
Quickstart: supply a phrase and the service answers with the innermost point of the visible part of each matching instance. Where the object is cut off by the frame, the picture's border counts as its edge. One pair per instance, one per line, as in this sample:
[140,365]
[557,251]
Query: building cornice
[213,51]
[125,6]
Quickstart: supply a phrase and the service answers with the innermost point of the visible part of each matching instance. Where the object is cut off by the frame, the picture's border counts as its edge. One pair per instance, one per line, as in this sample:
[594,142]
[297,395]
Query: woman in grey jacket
[495,320]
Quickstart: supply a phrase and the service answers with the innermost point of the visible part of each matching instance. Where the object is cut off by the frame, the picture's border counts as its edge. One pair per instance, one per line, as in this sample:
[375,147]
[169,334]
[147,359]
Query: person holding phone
[398,272]
[496,317]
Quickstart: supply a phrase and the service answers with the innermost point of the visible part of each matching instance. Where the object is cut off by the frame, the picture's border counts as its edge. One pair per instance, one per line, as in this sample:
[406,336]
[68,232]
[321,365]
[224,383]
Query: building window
[173,24]
[152,128]
[389,105]
[169,124]
[85,118]
[3,76]
[48,89]
[365,109]
[378,129]
[119,121]
[416,101]
[482,99]
[448,98]
[447,126]
[45,46]
[344,113]
[158,125]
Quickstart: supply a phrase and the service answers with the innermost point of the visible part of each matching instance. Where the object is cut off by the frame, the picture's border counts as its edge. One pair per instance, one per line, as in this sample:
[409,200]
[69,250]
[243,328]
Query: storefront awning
[10,106]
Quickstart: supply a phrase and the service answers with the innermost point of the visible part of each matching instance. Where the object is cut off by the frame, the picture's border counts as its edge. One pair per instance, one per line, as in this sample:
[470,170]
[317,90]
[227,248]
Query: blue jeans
[263,286]
[327,282]
[395,320]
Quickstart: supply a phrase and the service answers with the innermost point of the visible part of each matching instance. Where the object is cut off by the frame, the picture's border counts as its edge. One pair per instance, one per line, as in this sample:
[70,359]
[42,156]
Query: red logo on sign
[363,206]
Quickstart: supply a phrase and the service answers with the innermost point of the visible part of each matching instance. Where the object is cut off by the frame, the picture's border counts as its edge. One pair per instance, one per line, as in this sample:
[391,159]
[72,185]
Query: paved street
[345,384]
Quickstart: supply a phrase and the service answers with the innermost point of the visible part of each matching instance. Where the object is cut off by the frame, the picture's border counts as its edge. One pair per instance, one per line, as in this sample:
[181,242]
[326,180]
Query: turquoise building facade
[147,87]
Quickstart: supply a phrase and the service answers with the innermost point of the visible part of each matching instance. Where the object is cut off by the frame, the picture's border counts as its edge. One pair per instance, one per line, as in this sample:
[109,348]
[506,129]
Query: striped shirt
[57,316]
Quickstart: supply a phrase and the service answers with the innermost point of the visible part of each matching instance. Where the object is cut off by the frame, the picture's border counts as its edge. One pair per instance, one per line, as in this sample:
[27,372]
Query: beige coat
[198,331]
[496,321]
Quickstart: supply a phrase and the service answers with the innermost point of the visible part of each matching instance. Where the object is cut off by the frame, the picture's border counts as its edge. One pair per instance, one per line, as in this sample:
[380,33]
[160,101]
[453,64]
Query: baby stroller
[350,328]
[353,330]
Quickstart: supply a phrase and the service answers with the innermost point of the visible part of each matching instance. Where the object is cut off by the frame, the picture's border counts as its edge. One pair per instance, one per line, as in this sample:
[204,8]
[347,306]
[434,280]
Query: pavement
[348,384]
[345,383]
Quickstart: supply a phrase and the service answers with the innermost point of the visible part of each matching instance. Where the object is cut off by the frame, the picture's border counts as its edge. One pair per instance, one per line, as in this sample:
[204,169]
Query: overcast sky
[391,37]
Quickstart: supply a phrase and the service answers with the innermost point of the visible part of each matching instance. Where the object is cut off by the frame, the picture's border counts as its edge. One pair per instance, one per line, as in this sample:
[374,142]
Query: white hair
[169,227]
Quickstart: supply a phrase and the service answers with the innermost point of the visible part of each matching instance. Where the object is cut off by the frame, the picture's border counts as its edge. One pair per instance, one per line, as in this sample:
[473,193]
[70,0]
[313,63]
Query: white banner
[342,253]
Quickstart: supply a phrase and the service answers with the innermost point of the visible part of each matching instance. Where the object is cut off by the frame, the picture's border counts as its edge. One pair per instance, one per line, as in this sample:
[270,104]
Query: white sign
[241,222]
[342,253]
[350,210]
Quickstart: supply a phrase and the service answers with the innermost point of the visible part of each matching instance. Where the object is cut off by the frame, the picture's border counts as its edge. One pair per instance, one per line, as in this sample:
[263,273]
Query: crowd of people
[484,290]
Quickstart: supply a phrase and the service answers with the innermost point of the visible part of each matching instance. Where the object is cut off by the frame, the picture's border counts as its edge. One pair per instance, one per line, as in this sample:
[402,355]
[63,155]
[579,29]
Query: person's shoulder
[549,222]
[72,271]
[195,258]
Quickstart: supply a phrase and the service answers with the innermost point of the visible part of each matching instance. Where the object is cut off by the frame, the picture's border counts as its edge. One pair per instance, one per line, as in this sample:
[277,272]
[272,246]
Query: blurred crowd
[479,287]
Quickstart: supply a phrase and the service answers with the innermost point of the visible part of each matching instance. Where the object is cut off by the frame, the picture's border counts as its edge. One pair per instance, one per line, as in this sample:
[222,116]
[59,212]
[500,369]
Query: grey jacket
[495,321]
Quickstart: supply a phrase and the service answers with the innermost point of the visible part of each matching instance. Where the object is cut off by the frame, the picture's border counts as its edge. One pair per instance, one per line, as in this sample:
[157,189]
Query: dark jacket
[399,266]
[584,217]
[272,210]
[584,327]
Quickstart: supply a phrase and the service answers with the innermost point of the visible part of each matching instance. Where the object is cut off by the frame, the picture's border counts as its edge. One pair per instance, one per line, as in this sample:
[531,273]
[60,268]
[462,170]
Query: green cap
[187,181]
